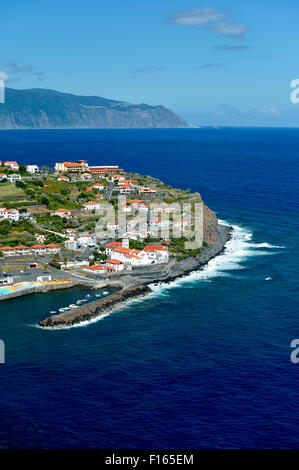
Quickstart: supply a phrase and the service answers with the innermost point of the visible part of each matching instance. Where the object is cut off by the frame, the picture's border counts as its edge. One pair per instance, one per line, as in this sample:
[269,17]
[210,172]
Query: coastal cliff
[50,109]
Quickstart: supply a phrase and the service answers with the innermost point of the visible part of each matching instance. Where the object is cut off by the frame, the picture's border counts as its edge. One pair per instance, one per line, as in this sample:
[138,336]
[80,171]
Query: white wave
[267,245]
[236,251]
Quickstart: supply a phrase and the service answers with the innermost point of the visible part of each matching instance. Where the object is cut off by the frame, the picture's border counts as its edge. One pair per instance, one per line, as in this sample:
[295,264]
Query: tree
[20,184]
[45,201]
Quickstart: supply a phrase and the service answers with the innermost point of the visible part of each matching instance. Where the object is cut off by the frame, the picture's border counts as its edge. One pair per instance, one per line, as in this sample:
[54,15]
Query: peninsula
[98,226]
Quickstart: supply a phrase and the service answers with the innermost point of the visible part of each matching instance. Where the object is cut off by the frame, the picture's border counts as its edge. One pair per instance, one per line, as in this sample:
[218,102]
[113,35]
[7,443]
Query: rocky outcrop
[95,309]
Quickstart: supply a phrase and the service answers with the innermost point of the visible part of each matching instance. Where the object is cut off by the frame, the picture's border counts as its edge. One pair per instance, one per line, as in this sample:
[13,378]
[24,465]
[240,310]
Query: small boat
[105,293]
[88,295]
[72,305]
[52,311]
[98,295]
[63,309]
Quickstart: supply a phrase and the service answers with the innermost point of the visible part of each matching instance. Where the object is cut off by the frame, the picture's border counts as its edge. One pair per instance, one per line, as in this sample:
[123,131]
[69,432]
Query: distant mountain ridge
[49,109]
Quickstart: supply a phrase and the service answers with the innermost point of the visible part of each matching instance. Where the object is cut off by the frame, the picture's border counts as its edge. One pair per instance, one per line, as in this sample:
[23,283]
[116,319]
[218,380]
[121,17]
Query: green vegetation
[10,190]
[177,247]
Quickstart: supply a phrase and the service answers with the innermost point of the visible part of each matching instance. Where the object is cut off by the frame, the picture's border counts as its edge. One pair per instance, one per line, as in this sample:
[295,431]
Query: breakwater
[95,309]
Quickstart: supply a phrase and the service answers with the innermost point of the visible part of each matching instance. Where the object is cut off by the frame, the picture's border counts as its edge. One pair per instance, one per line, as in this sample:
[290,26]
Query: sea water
[201,362]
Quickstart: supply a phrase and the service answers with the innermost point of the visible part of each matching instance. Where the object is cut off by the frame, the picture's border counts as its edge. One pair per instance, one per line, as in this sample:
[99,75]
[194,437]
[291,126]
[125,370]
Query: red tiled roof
[72,165]
[113,244]
[153,248]
[97,267]
[114,261]
[121,249]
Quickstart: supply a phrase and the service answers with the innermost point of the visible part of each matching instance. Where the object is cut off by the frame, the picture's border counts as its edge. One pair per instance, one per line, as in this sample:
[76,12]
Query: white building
[116,264]
[151,254]
[98,187]
[63,179]
[33,169]
[3,176]
[9,214]
[127,189]
[40,238]
[87,240]
[86,176]
[13,178]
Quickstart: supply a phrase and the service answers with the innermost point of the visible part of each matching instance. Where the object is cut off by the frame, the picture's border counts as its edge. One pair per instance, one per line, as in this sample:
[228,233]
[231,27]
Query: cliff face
[210,223]
[49,109]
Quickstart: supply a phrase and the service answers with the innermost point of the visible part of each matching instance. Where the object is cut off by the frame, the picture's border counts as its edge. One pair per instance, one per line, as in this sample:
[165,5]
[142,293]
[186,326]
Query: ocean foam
[237,250]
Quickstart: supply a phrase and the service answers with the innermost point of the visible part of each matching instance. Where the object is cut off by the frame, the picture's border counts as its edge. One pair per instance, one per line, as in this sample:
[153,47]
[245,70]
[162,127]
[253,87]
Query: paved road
[39,227]
[109,192]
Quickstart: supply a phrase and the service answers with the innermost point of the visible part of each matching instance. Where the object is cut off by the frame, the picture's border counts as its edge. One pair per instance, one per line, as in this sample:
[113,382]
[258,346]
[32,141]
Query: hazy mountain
[49,109]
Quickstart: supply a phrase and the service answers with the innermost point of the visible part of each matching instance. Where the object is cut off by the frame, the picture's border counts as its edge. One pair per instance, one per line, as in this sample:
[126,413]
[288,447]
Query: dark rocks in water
[49,109]
[95,309]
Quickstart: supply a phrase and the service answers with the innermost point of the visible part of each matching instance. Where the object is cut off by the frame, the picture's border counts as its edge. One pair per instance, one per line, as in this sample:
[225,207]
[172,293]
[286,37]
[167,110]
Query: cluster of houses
[121,256]
[12,165]
[14,215]
[23,250]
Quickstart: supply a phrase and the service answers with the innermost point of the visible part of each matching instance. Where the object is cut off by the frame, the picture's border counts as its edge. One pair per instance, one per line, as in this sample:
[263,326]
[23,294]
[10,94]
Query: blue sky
[214,62]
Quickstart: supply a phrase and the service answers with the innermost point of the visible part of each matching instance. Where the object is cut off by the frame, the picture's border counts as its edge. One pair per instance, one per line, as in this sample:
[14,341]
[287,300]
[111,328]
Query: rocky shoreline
[137,287]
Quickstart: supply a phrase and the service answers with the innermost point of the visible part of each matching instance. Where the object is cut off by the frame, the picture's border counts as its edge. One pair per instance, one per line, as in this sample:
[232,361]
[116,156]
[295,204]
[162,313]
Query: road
[109,192]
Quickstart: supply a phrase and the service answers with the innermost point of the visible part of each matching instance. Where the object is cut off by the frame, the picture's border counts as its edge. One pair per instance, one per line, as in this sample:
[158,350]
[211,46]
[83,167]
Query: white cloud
[231,110]
[268,111]
[209,18]
[233,30]
[198,17]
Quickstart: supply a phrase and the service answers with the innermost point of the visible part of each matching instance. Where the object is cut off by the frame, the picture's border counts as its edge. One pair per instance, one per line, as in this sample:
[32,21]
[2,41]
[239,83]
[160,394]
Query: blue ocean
[203,362]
